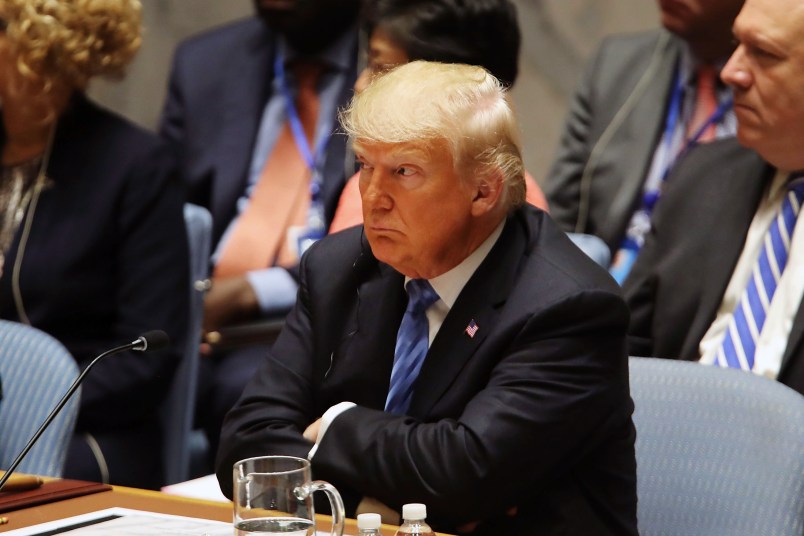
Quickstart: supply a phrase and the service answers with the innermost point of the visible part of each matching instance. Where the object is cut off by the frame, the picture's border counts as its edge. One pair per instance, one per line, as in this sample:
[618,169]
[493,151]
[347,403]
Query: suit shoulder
[719,159]
[632,52]
[223,40]
[635,42]
[337,251]
[554,258]
[106,128]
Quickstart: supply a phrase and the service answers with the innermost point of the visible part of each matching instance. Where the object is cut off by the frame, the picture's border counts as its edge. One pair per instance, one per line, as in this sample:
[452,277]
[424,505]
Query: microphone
[147,342]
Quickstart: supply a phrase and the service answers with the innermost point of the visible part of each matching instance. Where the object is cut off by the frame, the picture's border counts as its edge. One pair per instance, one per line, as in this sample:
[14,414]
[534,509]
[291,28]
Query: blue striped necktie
[740,342]
[412,342]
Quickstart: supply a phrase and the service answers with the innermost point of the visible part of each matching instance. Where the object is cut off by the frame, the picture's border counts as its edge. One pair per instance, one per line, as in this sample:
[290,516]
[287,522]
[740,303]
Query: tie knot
[421,295]
[706,76]
[796,185]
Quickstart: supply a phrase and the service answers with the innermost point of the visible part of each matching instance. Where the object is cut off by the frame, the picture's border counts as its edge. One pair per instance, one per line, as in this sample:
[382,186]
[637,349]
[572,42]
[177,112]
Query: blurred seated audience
[92,239]
[644,101]
[474,32]
[250,110]
[457,349]
[721,276]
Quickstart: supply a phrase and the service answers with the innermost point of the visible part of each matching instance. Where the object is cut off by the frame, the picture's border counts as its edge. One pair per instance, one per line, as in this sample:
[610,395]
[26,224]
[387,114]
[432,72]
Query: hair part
[427,102]
[68,42]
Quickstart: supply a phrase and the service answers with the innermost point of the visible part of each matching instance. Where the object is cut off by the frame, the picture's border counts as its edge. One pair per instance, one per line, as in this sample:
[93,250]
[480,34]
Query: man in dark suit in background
[497,393]
[722,274]
[642,101]
[236,109]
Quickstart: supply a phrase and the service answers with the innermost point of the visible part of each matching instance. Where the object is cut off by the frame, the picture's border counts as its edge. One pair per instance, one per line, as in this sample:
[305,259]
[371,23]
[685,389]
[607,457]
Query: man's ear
[488,193]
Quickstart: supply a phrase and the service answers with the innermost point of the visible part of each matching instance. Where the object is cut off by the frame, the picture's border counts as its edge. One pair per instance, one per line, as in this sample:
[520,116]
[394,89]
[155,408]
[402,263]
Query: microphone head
[152,340]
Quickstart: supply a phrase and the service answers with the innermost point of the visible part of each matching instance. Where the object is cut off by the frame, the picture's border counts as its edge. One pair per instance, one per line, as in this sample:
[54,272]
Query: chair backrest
[36,370]
[719,451]
[179,409]
[594,247]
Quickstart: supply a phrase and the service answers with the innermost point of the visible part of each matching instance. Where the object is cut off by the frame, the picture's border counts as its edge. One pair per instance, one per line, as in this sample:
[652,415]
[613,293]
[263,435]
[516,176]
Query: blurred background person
[474,32]
[94,248]
[644,101]
[250,110]
[721,278]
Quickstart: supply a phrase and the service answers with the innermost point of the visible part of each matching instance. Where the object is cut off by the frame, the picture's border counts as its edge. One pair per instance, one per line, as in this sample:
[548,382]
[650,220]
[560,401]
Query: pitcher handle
[335,502]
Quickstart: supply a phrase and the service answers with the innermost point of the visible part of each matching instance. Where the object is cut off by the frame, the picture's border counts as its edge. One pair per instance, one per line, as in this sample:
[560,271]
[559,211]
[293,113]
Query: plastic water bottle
[368,524]
[413,516]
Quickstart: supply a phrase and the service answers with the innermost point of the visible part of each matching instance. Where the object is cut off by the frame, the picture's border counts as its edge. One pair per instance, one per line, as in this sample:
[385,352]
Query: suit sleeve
[639,289]
[152,293]
[549,400]
[278,403]
[563,183]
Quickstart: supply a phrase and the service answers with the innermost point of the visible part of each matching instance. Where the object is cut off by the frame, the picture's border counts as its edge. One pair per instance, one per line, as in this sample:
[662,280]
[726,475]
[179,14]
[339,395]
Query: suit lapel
[382,302]
[478,301]
[748,174]
[642,133]
[249,78]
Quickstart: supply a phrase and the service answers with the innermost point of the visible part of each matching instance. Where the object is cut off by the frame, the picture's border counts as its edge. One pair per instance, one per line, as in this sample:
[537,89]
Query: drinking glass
[273,495]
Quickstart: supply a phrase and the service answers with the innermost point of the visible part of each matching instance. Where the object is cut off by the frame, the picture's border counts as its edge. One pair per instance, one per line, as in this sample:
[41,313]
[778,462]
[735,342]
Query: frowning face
[766,73]
[420,216]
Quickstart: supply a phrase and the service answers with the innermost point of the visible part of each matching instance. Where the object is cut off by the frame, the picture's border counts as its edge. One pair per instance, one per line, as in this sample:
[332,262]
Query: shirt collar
[781,181]
[688,63]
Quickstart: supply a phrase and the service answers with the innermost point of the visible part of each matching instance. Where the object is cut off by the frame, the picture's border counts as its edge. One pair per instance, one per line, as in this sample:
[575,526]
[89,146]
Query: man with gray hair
[731,216]
[457,349]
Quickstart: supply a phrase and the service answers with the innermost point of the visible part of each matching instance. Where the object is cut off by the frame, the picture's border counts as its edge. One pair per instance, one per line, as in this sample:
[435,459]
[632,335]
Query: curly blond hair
[68,42]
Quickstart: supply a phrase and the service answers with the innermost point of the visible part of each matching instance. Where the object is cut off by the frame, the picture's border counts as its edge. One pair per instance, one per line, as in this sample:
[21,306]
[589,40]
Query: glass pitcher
[273,495]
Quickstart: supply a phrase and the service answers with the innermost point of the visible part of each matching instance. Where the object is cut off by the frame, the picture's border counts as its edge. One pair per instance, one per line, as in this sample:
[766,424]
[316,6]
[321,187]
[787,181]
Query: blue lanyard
[674,113]
[671,123]
[313,159]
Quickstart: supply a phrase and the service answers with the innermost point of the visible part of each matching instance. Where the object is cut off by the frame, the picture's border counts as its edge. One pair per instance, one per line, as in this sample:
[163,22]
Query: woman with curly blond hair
[92,241]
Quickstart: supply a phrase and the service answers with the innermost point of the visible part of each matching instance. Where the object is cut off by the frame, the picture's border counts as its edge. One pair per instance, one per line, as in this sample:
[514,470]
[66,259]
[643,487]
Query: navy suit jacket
[219,86]
[533,411]
[699,230]
[105,261]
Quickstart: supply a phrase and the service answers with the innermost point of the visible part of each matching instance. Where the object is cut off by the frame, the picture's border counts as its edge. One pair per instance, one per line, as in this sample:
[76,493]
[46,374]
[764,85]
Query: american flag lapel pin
[471,329]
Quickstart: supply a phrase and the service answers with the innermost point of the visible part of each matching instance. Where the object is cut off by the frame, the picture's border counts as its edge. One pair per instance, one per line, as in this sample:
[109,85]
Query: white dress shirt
[772,339]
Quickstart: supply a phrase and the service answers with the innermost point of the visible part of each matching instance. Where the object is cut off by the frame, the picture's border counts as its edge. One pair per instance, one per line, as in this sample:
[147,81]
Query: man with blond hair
[457,349]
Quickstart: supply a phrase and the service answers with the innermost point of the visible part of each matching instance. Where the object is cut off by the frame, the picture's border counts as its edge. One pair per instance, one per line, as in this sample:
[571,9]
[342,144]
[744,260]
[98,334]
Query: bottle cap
[368,521]
[414,511]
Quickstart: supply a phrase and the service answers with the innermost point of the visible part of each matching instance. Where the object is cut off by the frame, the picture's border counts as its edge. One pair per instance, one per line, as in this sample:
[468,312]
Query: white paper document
[128,522]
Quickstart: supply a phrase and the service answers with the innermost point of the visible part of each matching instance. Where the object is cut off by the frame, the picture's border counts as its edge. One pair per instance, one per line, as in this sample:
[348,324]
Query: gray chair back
[36,371]
[720,452]
[594,247]
[179,409]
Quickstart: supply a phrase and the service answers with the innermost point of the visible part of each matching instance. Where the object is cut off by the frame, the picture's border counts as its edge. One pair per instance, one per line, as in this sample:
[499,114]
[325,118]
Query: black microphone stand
[141,344]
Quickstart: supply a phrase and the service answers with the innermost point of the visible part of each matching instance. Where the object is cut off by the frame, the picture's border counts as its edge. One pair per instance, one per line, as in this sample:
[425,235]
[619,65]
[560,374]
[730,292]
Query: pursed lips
[380,228]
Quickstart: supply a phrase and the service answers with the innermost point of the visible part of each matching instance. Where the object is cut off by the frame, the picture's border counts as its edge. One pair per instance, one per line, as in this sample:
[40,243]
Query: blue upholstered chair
[179,409]
[720,452]
[36,371]
[593,246]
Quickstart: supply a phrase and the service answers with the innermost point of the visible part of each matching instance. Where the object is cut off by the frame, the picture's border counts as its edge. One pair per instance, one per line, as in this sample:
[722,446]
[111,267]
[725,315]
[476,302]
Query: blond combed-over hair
[425,102]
